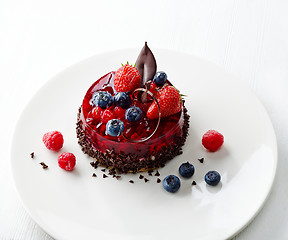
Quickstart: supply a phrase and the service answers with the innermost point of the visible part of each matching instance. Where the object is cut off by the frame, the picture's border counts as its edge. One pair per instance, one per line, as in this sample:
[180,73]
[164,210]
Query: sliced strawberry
[169,101]
[127,78]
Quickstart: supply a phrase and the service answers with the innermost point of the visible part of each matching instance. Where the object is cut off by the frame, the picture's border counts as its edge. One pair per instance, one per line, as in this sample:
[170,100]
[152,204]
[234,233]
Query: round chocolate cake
[134,119]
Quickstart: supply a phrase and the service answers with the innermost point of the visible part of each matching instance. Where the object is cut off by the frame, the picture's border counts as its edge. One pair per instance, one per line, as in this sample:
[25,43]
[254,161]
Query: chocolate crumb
[150,174]
[103,170]
[104,175]
[94,175]
[94,164]
[157,174]
[114,175]
[117,177]
[158,180]
[44,166]
[141,176]
[32,155]
[146,180]
[131,181]
[201,160]
[194,183]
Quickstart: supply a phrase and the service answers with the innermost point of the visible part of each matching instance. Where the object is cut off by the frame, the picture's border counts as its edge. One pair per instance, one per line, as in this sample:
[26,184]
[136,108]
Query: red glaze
[169,129]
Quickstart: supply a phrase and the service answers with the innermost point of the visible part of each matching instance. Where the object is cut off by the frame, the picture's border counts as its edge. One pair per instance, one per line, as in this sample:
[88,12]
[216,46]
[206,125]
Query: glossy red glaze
[169,130]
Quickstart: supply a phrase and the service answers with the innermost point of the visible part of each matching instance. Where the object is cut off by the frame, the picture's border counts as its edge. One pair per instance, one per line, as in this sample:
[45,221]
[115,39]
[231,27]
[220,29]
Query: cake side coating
[124,163]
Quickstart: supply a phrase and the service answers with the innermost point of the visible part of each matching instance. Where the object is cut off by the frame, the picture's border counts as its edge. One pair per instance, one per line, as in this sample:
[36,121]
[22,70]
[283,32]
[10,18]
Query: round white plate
[75,205]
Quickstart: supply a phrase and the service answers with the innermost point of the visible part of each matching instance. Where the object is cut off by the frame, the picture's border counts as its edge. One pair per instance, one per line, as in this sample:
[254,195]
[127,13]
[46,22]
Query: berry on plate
[122,99]
[67,161]
[160,79]
[53,140]
[171,183]
[114,127]
[212,140]
[127,79]
[102,99]
[133,114]
[212,178]
[169,101]
[186,170]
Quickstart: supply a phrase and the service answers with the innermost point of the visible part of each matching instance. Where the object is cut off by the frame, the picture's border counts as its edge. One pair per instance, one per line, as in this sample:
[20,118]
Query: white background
[38,39]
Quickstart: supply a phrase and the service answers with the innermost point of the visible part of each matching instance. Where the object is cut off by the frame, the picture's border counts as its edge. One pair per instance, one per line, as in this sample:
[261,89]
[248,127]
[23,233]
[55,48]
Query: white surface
[75,205]
[247,37]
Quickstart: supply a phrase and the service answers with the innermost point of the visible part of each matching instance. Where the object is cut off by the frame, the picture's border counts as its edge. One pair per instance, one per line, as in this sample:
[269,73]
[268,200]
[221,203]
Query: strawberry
[127,78]
[169,101]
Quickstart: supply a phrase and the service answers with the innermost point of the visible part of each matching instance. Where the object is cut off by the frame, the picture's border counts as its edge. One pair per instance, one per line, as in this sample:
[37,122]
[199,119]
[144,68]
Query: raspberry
[53,140]
[67,161]
[212,140]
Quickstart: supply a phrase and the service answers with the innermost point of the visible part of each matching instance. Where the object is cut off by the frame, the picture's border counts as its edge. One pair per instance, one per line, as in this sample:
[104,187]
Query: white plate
[74,205]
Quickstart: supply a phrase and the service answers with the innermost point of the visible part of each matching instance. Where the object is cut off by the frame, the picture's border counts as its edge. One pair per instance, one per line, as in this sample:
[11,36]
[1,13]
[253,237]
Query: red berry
[152,89]
[97,112]
[119,112]
[107,115]
[67,161]
[134,136]
[53,140]
[169,101]
[212,140]
[127,78]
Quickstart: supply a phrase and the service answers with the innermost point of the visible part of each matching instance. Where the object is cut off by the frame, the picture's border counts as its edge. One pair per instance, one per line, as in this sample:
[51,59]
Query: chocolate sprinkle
[194,183]
[103,170]
[94,175]
[119,161]
[201,160]
[141,176]
[32,155]
[117,177]
[104,175]
[158,180]
[157,174]
[131,181]
[94,164]
[149,173]
[146,180]
[44,166]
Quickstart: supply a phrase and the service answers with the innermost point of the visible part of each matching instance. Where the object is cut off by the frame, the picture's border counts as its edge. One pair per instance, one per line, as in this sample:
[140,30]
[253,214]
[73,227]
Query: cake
[133,119]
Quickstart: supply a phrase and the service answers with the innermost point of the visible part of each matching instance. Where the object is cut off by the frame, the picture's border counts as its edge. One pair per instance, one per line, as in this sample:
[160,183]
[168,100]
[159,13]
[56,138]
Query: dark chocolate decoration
[201,160]
[44,166]
[146,64]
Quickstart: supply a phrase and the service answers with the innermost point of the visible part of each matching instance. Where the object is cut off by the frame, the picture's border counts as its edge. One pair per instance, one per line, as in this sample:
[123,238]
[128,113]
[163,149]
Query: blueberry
[171,183]
[101,99]
[133,114]
[114,127]
[186,170]
[212,178]
[122,99]
[160,78]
